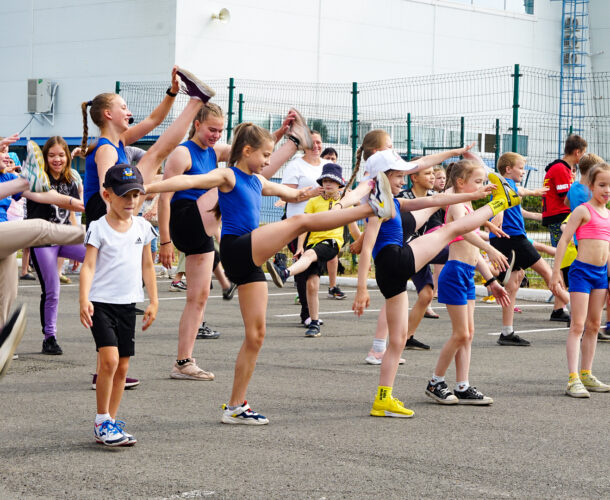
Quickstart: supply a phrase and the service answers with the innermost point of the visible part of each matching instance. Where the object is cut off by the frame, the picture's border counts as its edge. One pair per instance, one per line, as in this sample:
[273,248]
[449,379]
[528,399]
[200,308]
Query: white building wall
[83,45]
[599,16]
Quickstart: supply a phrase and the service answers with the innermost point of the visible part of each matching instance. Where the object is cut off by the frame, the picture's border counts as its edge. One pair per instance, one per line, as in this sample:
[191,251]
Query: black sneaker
[472,396]
[313,330]
[205,332]
[336,293]
[279,274]
[560,315]
[306,322]
[512,339]
[441,394]
[50,346]
[229,292]
[603,336]
[415,345]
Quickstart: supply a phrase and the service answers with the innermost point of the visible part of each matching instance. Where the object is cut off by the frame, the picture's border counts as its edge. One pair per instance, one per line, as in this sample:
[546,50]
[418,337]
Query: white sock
[462,386]
[436,379]
[102,417]
[378,345]
[507,330]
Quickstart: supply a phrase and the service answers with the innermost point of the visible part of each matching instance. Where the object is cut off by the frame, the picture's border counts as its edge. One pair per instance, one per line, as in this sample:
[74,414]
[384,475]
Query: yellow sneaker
[390,407]
[576,389]
[503,191]
[590,382]
[490,299]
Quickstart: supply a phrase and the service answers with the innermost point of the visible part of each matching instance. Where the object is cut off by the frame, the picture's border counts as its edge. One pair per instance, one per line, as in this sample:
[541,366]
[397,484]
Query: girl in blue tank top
[396,262]
[245,245]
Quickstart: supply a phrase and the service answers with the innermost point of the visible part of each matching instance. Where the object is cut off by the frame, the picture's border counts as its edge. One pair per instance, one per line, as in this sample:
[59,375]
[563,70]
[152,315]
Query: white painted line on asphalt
[183,296]
[324,313]
[532,331]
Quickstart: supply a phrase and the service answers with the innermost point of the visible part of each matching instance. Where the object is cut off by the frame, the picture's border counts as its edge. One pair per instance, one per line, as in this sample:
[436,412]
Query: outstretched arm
[443,199]
[219,177]
[286,193]
[54,198]
[435,159]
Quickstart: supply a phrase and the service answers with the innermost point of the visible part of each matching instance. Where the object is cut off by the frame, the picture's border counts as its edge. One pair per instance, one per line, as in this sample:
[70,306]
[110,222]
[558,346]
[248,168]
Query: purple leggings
[45,263]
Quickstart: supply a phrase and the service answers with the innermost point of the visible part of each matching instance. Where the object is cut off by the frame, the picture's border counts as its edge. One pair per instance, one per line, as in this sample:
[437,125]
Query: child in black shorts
[117,259]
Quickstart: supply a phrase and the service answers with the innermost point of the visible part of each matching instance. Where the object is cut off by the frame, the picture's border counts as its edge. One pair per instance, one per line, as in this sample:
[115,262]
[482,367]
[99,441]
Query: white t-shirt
[118,270]
[301,173]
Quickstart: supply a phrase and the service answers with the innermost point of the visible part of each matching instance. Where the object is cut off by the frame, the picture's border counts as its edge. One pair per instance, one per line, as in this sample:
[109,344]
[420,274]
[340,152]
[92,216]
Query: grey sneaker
[279,274]
[193,87]
[381,199]
[205,332]
[190,371]
[299,132]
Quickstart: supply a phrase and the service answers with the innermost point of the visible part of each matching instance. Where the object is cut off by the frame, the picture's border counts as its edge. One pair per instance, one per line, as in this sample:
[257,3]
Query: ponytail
[99,103]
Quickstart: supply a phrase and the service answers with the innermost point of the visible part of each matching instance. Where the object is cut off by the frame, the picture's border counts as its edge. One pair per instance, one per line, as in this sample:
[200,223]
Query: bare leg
[118,386]
[25,261]
[462,357]
[544,270]
[512,287]
[580,306]
[253,305]
[589,340]
[268,239]
[168,141]
[396,318]
[198,275]
[332,266]
[424,299]
[219,272]
[108,362]
[459,338]
[308,257]
[313,301]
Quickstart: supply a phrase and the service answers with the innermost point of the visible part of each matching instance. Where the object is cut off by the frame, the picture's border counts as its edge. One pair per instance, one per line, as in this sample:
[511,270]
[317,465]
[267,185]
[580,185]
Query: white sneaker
[374,358]
[381,199]
[242,415]
[130,439]
[190,371]
[10,336]
[109,434]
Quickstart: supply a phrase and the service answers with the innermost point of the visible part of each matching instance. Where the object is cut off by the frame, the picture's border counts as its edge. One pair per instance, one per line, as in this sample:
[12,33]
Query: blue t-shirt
[6,202]
[203,161]
[92,180]
[513,223]
[241,207]
[578,194]
[390,232]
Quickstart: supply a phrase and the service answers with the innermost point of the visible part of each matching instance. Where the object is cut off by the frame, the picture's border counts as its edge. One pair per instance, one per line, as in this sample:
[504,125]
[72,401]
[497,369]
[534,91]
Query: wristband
[166,243]
[339,203]
[490,281]
[294,139]
[170,93]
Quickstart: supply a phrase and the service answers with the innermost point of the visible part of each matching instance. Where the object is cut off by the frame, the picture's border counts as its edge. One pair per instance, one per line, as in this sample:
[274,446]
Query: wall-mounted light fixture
[224,16]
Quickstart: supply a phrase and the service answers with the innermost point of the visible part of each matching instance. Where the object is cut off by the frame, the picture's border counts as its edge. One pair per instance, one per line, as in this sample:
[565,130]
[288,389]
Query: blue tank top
[390,232]
[241,207]
[513,223]
[91,184]
[202,162]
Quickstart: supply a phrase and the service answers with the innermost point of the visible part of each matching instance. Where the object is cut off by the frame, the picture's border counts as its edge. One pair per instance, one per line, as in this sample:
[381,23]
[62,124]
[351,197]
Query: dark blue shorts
[456,283]
[586,277]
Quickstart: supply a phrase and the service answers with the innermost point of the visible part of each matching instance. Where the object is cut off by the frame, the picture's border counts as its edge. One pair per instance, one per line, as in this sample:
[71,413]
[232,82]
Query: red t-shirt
[558,179]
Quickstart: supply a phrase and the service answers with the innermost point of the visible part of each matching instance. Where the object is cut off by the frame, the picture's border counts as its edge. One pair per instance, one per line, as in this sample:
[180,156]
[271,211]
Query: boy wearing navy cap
[117,259]
[322,246]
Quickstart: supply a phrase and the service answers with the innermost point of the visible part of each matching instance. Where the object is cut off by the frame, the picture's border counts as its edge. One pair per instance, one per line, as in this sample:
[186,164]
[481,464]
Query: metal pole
[240,109]
[497,147]
[409,137]
[117,87]
[515,128]
[462,133]
[354,122]
[230,113]
[571,130]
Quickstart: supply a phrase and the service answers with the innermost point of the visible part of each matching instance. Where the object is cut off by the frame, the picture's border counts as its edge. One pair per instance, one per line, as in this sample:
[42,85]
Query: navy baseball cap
[123,178]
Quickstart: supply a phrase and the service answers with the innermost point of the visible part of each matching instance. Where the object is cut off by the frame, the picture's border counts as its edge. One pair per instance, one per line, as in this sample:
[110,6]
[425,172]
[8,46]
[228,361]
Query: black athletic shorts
[114,325]
[186,228]
[236,258]
[525,253]
[325,250]
[394,266]
[94,209]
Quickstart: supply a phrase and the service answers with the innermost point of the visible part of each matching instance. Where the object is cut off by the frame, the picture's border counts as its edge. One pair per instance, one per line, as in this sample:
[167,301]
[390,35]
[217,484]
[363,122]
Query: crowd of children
[433,222]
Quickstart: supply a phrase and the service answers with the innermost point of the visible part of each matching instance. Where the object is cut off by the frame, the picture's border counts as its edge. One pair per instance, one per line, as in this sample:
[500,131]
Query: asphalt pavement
[317,392]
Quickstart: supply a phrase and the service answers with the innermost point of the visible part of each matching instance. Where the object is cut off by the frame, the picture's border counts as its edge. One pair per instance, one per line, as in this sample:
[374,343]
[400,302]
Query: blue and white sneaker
[109,434]
[130,439]
[242,415]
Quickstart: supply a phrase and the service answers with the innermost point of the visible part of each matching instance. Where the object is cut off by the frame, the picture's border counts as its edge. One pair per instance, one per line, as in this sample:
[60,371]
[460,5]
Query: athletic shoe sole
[442,401]
[476,402]
[274,274]
[383,206]
[180,376]
[242,421]
[509,269]
[581,395]
[194,86]
[10,336]
[385,413]
[300,130]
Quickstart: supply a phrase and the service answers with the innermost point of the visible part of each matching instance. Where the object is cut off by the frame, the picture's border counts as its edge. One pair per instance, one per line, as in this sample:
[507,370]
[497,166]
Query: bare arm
[435,159]
[86,278]
[531,215]
[105,157]
[578,216]
[494,287]
[150,281]
[354,230]
[54,198]
[362,299]
[442,199]
[13,187]
[219,177]
[155,118]
[286,193]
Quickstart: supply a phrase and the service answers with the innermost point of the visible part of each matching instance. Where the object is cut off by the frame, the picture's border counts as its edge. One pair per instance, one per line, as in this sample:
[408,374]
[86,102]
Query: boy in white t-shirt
[117,259]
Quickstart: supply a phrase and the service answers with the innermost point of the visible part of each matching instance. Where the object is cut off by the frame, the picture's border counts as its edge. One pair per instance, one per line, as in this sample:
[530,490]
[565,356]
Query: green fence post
[117,87]
[515,129]
[497,147]
[571,131]
[354,122]
[409,137]
[462,132]
[240,109]
[230,113]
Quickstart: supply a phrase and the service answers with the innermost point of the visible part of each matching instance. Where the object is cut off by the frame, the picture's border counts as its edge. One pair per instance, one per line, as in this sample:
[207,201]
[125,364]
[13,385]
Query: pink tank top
[598,228]
[460,238]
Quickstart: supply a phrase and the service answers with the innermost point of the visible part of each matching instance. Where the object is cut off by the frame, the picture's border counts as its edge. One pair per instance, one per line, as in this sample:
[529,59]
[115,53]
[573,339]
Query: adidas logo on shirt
[139,241]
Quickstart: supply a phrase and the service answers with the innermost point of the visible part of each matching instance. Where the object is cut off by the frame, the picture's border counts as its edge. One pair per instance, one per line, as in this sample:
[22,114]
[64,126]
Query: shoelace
[120,425]
[110,428]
